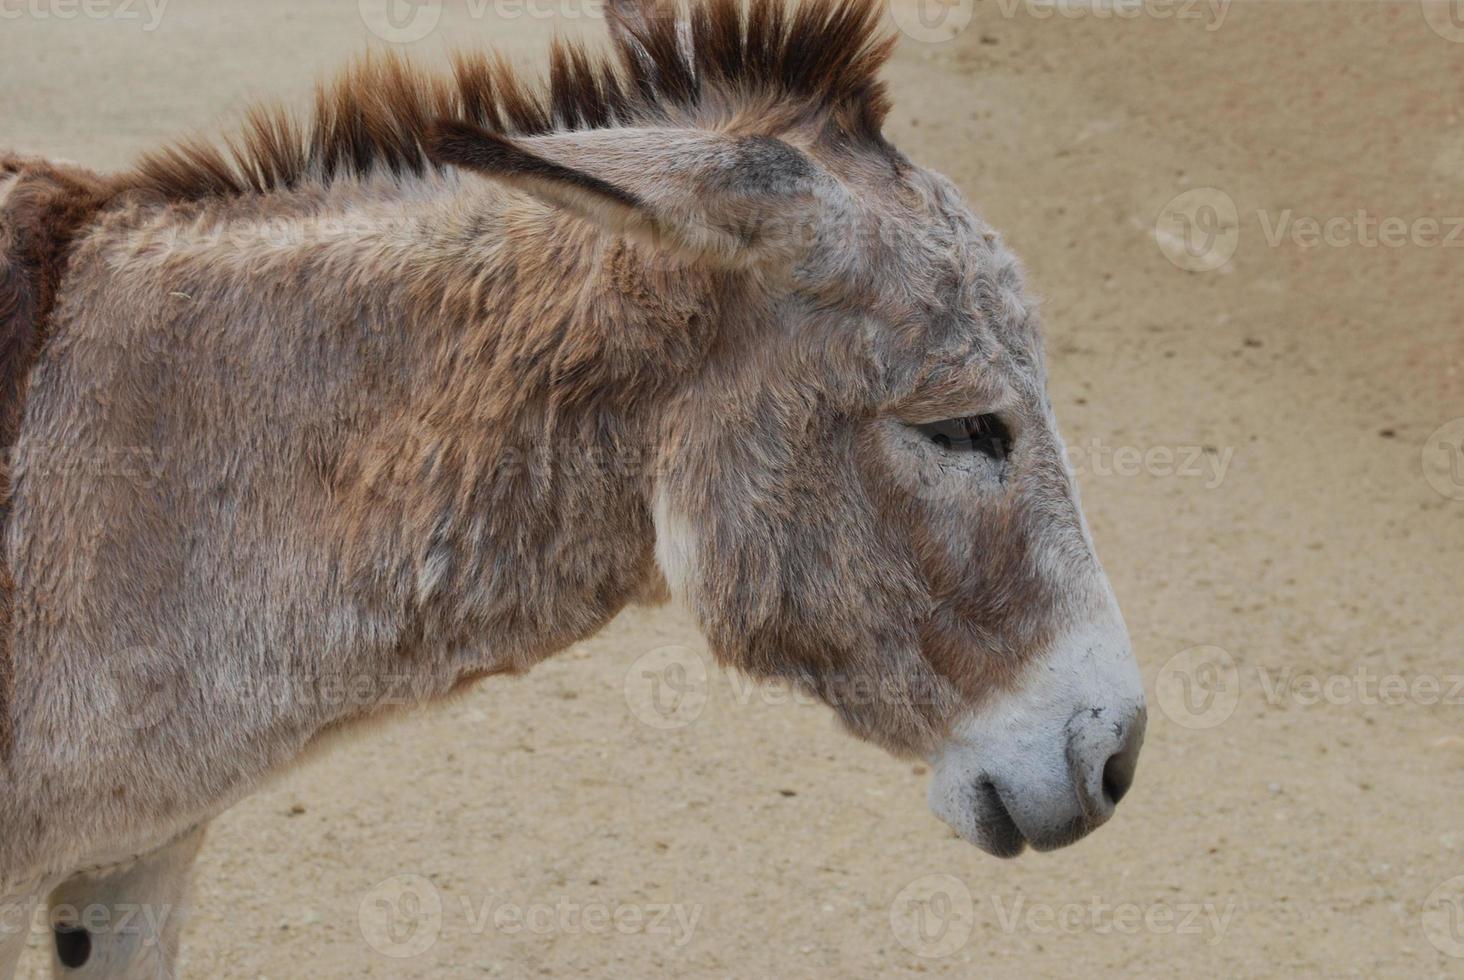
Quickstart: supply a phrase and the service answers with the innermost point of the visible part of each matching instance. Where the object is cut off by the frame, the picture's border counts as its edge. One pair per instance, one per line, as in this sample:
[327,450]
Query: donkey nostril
[1118,771]
[73,945]
[1118,776]
[1102,754]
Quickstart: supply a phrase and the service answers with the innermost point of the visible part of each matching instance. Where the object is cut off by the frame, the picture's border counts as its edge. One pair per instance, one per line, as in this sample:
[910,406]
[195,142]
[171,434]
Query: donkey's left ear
[737,200]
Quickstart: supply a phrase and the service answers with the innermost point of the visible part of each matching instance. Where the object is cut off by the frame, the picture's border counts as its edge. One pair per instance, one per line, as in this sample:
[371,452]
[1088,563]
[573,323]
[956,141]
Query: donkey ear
[738,200]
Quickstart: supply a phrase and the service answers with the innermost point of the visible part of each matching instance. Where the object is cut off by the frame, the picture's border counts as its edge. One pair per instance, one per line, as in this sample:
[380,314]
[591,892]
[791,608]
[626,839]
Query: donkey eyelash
[985,434]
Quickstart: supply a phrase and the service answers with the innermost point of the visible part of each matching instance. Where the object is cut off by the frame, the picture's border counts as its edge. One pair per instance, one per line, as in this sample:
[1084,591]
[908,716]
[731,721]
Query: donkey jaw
[1046,764]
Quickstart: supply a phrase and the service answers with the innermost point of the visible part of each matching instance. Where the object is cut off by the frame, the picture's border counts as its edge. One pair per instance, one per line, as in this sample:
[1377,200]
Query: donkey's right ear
[737,200]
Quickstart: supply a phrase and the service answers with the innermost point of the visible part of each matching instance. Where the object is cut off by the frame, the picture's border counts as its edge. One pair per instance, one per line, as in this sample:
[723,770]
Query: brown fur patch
[42,208]
[819,59]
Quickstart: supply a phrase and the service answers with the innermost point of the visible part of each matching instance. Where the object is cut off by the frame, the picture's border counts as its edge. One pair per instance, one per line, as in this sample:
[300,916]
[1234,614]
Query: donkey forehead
[942,294]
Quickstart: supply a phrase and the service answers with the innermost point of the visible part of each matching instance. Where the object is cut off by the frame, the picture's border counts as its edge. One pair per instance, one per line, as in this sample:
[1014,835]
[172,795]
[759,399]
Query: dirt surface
[1298,815]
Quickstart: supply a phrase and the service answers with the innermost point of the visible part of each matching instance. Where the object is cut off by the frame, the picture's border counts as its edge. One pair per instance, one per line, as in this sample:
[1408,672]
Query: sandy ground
[1302,821]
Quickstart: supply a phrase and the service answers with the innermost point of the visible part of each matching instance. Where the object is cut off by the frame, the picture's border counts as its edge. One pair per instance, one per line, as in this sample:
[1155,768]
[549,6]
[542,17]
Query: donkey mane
[725,58]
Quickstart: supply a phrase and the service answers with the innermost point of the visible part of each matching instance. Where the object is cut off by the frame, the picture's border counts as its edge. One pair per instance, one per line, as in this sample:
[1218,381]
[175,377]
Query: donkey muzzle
[1047,763]
[1048,802]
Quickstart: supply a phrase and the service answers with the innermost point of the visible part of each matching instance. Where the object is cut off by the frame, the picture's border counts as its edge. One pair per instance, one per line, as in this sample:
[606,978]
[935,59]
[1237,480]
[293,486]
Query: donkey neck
[515,458]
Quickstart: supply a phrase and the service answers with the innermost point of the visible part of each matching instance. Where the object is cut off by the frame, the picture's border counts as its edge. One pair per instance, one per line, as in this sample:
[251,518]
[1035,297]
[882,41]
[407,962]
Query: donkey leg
[124,923]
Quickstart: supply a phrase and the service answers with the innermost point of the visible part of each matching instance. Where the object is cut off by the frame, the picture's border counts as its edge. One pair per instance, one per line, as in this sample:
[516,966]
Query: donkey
[364,408]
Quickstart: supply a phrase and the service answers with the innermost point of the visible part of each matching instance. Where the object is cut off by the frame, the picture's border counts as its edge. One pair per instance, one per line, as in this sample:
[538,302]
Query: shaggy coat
[356,410]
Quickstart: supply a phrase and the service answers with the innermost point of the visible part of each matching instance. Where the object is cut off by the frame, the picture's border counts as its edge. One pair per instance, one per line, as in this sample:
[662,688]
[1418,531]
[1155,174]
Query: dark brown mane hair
[820,58]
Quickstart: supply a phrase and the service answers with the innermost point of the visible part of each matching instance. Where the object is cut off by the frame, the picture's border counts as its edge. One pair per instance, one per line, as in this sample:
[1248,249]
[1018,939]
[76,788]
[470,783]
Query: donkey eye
[984,434]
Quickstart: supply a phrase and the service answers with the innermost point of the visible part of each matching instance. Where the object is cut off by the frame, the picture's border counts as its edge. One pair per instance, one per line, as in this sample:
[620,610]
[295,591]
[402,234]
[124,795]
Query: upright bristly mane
[706,67]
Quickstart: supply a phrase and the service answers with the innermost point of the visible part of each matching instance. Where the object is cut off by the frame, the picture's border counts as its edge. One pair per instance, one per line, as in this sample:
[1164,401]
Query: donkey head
[861,487]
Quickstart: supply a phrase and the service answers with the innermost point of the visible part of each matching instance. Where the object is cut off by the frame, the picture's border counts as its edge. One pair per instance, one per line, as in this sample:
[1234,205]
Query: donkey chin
[1046,763]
